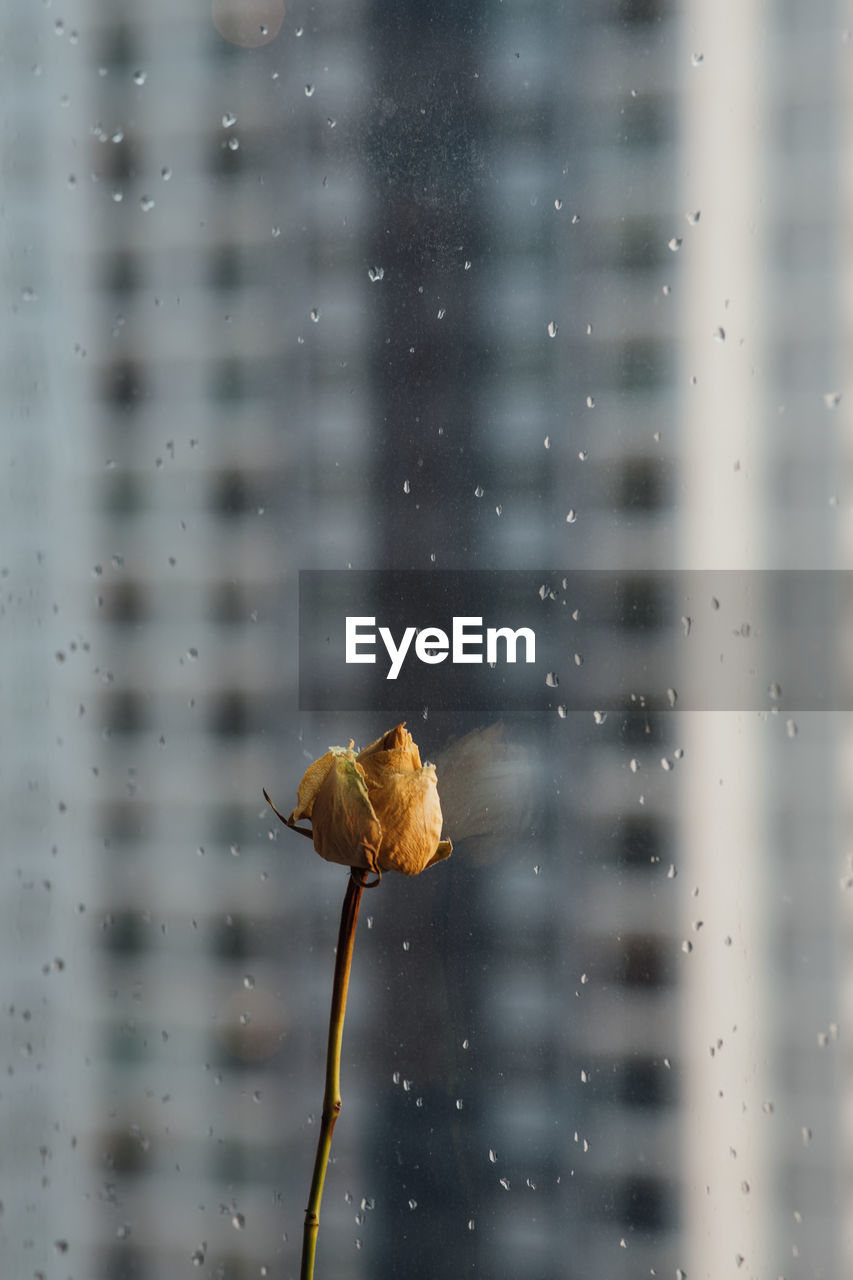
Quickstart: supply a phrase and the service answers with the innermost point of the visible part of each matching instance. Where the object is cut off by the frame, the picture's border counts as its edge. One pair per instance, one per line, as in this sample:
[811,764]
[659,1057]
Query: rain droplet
[693,218]
[831,399]
[671,697]
[697,59]
[577,658]
[146,204]
[233,144]
[249,982]
[672,871]
[370,922]
[791,728]
[666,764]
[166,173]
[552,680]
[583,454]
[599,717]
[719,334]
[309,91]
[375,274]
[504,1183]
[470,1224]
[407,488]
[775,691]
[552,329]
[413,1204]
[498,510]
[238,1221]
[572,516]
[228,119]
[562,711]
[479,491]
[315,315]
[407,945]
[674,244]
[492,1156]
[139,77]
[634,765]
[558,204]
[192,654]
[547,442]
[687,946]
[459,1104]
[590,402]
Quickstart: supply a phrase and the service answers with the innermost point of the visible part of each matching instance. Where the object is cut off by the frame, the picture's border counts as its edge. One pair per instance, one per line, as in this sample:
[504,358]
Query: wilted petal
[394,752]
[315,776]
[408,807]
[345,826]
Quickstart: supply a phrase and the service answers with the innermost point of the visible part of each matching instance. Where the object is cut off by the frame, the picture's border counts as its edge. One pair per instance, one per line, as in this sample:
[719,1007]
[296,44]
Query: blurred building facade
[403,290]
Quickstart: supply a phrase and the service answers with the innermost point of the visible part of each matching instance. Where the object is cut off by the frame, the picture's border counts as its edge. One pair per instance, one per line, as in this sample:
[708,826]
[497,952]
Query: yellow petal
[394,752]
[314,777]
[408,808]
[345,826]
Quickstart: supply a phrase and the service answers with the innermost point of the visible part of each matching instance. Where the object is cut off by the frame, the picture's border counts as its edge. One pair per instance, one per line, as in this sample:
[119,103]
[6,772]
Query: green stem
[332,1095]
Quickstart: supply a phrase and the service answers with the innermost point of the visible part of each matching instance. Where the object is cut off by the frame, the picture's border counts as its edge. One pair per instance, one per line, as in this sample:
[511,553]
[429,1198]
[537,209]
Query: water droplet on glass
[370,922]
[552,329]
[192,654]
[146,204]
[697,59]
[666,764]
[407,945]
[552,680]
[375,274]
[719,334]
[575,219]
[599,717]
[198,1258]
[139,77]
[672,871]
[791,728]
[249,982]
[459,1104]
[238,1221]
[117,194]
[572,516]
[479,491]
[309,91]
[558,204]
[498,510]
[634,765]
[407,488]
[315,315]
[590,402]
[413,1204]
[467,264]
[775,691]
[693,218]
[228,119]
[671,697]
[687,624]
[577,659]
[166,173]
[441,313]
[562,711]
[831,399]
[687,946]
[583,454]
[470,1224]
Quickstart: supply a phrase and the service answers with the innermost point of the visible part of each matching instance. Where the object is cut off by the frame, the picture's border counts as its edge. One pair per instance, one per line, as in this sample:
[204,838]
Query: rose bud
[377,809]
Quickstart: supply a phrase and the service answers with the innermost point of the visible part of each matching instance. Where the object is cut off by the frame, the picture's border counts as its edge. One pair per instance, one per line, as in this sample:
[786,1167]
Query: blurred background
[532,284]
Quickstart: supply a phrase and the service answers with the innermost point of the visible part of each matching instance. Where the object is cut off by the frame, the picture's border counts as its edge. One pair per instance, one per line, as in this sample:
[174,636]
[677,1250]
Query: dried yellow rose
[377,809]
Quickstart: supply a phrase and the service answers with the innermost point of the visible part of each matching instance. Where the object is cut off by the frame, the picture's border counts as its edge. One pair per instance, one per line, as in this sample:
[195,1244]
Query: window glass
[556,288]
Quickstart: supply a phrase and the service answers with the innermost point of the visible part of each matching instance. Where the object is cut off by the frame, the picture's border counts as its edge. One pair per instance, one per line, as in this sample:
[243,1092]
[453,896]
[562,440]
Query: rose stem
[332,1094]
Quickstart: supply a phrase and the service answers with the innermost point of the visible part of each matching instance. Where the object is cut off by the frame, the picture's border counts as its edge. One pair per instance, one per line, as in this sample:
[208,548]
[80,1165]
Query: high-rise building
[481,287]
